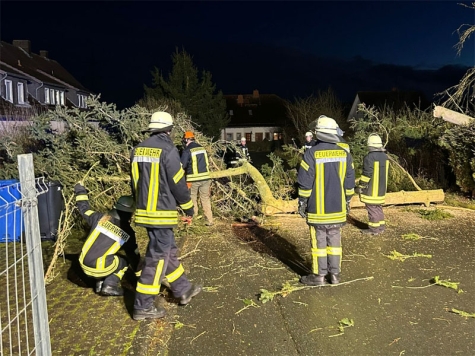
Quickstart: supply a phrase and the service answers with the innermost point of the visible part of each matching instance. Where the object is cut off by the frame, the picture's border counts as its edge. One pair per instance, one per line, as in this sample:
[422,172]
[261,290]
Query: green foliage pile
[411,139]
[281,180]
[460,142]
[436,214]
[196,94]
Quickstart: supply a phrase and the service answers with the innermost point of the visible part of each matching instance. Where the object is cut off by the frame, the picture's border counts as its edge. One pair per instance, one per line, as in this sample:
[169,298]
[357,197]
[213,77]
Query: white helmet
[308,133]
[326,124]
[160,121]
[375,141]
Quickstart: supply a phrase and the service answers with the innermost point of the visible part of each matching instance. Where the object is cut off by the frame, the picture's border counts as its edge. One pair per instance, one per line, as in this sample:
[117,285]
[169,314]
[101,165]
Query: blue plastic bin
[11,223]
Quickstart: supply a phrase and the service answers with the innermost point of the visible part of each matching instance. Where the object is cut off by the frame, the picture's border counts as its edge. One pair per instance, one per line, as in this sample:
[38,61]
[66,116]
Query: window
[21,93]
[238,136]
[276,135]
[231,112]
[229,136]
[46,95]
[61,97]
[51,97]
[259,136]
[8,91]
[267,134]
[82,101]
[248,136]
[250,112]
[58,101]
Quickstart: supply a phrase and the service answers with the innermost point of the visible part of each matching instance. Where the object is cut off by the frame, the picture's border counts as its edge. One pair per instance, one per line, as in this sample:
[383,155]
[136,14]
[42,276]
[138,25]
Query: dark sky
[288,48]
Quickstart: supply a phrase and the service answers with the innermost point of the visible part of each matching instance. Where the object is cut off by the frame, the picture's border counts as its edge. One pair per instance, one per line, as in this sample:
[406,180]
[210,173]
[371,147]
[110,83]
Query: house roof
[44,69]
[395,99]
[266,109]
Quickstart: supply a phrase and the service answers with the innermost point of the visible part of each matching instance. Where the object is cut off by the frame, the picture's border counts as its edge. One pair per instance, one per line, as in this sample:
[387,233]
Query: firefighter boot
[150,313]
[334,278]
[193,291]
[111,290]
[98,286]
[313,280]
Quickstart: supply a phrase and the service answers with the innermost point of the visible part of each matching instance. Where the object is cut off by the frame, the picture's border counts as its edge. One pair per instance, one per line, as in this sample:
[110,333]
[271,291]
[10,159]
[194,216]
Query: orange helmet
[188,134]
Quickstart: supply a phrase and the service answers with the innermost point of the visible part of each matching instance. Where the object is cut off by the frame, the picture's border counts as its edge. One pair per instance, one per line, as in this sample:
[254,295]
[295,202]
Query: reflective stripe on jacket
[158,182]
[375,175]
[194,160]
[327,178]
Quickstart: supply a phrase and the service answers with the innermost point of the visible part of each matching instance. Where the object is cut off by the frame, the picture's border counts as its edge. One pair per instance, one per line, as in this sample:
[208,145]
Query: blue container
[11,222]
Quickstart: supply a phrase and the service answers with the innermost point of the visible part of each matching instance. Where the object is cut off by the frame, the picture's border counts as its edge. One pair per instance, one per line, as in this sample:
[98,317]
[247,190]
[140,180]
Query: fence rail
[23,312]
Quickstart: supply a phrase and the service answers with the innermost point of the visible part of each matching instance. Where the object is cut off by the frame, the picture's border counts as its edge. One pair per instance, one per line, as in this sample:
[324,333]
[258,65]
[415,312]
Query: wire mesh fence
[23,311]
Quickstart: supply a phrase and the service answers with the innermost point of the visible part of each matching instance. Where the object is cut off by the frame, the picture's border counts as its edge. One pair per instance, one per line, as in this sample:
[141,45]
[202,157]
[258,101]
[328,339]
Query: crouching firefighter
[109,233]
[326,180]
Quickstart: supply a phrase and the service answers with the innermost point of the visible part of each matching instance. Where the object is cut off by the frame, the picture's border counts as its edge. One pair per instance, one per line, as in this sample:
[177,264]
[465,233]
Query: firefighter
[158,185]
[244,150]
[194,160]
[326,180]
[109,233]
[309,141]
[373,184]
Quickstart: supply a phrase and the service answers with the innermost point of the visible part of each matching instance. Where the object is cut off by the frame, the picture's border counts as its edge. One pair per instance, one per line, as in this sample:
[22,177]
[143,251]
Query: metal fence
[23,310]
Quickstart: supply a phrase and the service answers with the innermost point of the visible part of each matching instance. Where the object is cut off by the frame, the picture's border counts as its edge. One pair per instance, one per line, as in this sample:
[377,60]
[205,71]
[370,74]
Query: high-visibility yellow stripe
[349,192]
[375,190]
[364,179]
[197,177]
[172,277]
[179,175]
[81,197]
[188,205]
[135,174]
[98,273]
[372,200]
[157,213]
[374,224]
[112,250]
[156,221]
[121,273]
[90,240]
[387,174]
[89,212]
[304,165]
[334,251]
[147,289]
[158,272]
[305,193]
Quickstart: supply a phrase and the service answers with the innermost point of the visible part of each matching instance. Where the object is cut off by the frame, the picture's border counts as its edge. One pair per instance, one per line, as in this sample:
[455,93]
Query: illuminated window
[46,95]
[21,93]
[8,91]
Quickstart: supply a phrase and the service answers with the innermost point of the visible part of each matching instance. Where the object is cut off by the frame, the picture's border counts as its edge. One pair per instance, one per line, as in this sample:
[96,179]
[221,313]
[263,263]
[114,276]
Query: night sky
[291,49]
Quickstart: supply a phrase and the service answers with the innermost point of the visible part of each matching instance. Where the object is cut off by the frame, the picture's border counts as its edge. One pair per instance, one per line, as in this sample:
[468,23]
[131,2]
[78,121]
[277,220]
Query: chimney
[44,54]
[23,44]
[255,94]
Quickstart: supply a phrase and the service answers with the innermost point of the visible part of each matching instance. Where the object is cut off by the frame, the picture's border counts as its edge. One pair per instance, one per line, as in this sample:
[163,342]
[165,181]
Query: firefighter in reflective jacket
[109,233]
[326,180]
[194,160]
[373,184]
[158,184]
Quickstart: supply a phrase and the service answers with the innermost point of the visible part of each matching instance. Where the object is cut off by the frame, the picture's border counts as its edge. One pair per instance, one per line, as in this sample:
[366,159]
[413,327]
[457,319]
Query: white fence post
[35,254]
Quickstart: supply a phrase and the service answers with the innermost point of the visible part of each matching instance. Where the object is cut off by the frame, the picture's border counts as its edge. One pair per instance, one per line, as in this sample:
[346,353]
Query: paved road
[234,264]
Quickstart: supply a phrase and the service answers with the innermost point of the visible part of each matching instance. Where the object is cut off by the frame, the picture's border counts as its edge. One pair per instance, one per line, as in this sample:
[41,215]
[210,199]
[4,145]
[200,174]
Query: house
[257,117]
[394,99]
[32,82]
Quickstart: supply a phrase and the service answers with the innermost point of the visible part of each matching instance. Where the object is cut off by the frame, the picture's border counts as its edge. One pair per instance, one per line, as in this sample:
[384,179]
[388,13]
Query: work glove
[189,212]
[79,189]
[303,207]
[348,208]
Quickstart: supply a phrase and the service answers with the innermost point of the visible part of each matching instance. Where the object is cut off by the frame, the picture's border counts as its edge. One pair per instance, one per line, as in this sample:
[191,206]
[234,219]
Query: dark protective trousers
[376,218]
[160,261]
[326,249]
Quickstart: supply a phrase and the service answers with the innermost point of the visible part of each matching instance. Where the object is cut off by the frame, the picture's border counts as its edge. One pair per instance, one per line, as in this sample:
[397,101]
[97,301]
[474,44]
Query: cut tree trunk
[452,116]
[271,206]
